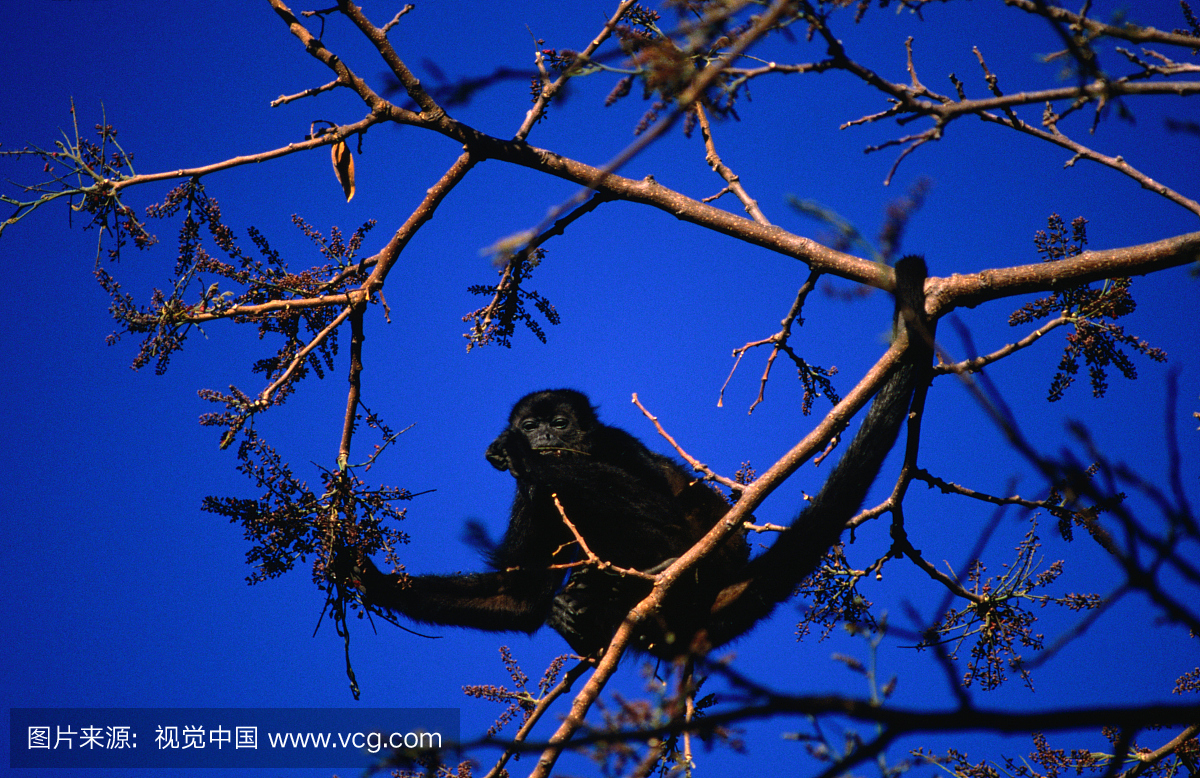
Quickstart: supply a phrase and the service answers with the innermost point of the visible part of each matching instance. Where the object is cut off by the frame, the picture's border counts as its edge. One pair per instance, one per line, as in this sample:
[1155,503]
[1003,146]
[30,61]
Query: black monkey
[637,509]
[633,508]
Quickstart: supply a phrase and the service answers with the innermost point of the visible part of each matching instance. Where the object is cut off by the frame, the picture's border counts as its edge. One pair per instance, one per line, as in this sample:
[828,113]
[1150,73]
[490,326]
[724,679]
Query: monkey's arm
[500,601]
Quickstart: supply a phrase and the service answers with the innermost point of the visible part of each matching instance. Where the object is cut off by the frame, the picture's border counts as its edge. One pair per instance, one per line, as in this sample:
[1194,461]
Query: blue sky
[125,595]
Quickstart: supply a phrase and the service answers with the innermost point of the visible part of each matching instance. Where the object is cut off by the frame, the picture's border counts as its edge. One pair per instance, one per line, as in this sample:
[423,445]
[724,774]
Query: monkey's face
[553,423]
[553,431]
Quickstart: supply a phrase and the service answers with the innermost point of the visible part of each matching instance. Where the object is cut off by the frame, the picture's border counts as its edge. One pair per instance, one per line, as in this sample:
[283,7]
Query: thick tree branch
[968,291]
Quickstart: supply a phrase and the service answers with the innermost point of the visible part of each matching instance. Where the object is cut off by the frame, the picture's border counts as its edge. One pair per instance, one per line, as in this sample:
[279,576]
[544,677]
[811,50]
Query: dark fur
[639,510]
[634,509]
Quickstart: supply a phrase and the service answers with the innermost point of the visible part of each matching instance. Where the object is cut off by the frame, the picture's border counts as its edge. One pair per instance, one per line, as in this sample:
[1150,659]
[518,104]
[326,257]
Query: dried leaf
[343,167]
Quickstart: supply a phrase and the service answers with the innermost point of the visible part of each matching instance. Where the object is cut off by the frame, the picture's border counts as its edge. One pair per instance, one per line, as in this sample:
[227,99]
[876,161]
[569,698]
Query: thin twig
[732,180]
[779,340]
[550,90]
[543,705]
[592,559]
[695,464]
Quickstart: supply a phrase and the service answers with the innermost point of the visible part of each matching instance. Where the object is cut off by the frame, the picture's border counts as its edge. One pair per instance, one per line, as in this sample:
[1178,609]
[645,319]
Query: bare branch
[550,90]
[733,181]
[1129,32]
[316,90]
[978,363]
[695,464]
[946,294]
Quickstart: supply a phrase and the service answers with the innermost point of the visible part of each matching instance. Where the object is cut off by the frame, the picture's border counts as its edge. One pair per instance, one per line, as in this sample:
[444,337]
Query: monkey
[633,507]
[638,510]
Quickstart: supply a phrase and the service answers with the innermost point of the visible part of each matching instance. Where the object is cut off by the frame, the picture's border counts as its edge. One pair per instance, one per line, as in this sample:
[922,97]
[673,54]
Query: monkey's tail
[772,576]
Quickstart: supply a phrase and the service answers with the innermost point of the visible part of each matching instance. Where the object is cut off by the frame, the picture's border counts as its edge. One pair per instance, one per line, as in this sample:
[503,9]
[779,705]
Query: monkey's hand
[357,573]
[590,609]
[496,453]
[586,629]
[510,452]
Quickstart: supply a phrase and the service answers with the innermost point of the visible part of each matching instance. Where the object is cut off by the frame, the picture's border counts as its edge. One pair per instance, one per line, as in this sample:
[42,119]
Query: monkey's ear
[496,453]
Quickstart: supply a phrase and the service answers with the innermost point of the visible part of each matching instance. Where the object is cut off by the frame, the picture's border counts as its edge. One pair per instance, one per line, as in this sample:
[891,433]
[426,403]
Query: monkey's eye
[529,425]
[560,423]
